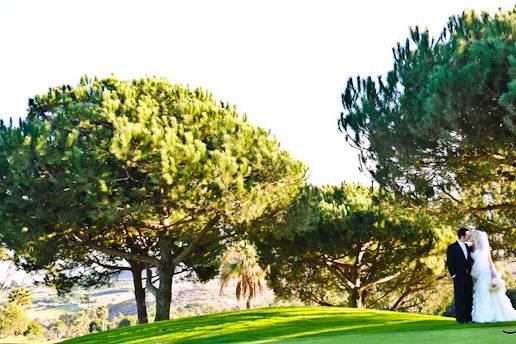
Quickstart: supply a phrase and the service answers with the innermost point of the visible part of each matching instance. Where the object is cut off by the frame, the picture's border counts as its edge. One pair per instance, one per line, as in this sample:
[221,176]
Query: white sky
[284,63]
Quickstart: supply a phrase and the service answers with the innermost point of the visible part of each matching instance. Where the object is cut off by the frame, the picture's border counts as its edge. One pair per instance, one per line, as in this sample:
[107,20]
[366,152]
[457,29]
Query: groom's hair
[461,232]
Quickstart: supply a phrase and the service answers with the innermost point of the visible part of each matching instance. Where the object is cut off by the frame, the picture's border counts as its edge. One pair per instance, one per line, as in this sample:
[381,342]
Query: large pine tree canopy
[440,126]
[143,171]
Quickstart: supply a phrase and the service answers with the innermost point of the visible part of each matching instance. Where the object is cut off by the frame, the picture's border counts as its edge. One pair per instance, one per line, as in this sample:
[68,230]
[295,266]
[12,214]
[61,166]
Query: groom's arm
[450,262]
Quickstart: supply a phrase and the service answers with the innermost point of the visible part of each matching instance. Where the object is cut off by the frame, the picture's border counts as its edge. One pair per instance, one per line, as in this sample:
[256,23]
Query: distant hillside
[189,298]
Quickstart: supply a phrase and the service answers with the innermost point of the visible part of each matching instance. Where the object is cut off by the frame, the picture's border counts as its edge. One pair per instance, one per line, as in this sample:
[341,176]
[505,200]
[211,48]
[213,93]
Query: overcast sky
[284,63]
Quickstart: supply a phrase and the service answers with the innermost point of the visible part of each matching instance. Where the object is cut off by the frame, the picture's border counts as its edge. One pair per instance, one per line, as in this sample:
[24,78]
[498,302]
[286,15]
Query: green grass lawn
[51,311]
[308,325]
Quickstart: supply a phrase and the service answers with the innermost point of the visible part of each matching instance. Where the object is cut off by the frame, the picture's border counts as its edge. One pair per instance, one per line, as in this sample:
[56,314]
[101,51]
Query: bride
[490,304]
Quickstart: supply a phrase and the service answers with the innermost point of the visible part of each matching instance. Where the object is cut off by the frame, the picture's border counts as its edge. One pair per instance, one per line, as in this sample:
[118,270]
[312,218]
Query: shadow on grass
[327,326]
[269,325]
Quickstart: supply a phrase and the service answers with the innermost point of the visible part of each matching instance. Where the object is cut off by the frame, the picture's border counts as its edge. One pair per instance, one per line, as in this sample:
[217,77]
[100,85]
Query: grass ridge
[306,325]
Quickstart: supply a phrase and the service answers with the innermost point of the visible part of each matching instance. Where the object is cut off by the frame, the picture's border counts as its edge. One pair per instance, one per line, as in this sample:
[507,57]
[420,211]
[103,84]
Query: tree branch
[109,266]
[148,283]
[116,253]
[195,243]
[226,236]
[496,206]
[380,281]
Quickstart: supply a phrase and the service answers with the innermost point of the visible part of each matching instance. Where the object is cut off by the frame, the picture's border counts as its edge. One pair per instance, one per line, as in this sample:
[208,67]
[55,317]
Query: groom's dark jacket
[457,264]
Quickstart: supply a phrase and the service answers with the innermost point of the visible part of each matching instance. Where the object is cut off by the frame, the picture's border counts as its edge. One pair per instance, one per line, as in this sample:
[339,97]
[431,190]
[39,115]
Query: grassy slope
[307,325]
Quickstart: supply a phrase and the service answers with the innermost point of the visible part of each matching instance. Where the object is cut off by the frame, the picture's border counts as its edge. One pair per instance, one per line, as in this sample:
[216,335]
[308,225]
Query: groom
[459,264]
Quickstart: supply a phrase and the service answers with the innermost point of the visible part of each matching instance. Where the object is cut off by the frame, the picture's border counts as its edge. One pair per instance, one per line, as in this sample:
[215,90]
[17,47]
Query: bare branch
[108,266]
[381,280]
[148,283]
[195,243]
[117,253]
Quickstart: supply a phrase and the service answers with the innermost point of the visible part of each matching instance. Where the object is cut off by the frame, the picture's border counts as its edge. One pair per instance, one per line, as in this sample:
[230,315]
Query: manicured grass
[51,311]
[308,325]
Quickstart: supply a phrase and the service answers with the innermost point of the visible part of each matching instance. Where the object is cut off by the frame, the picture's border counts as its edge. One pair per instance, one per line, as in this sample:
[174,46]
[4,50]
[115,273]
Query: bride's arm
[492,267]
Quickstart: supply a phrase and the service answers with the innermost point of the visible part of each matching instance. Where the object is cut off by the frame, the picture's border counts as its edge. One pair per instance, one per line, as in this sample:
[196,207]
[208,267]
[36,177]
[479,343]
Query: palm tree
[240,262]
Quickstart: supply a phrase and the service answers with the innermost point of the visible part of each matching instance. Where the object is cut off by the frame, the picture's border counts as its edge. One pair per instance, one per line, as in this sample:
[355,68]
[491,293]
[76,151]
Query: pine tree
[352,245]
[439,128]
[142,173]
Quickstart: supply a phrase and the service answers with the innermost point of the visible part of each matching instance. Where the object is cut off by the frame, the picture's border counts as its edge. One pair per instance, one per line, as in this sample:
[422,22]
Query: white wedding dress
[488,305]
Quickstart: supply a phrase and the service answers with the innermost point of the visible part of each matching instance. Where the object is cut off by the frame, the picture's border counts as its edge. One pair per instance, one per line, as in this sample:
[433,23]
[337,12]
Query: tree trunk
[139,294]
[357,299]
[248,304]
[164,294]
[166,273]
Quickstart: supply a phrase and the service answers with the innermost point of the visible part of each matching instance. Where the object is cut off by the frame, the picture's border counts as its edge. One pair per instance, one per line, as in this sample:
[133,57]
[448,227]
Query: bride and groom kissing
[478,289]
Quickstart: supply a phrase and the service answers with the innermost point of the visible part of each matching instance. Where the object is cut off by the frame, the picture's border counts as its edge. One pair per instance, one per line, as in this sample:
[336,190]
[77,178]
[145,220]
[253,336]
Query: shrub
[20,296]
[58,328]
[511,293]
[85,298]
[13,320]
[449,311]
[124,323]
[95,326]
[121,320]
[34,329]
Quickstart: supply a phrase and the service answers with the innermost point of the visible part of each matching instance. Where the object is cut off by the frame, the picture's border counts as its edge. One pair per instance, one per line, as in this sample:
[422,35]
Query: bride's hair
[480,240]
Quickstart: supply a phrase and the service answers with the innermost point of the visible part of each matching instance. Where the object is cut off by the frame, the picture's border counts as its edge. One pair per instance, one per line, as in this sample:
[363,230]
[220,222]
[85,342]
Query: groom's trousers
[463,297]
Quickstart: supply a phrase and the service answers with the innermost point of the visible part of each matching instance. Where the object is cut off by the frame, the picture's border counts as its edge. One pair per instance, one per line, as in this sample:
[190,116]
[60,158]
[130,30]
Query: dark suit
[460,267]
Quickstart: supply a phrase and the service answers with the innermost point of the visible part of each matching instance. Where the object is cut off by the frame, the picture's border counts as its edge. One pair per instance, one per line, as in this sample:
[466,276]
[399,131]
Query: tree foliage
[91,319]
[20,296]
[141,172]
[124,323]
[441,125]
[34,329]
[13,320]
[352,245]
